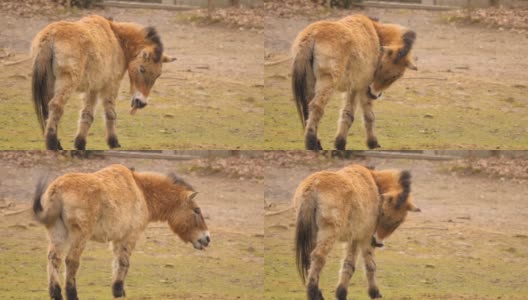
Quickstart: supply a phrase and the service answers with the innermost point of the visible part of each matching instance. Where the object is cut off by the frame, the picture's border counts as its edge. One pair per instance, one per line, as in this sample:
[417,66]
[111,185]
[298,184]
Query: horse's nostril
[208,239]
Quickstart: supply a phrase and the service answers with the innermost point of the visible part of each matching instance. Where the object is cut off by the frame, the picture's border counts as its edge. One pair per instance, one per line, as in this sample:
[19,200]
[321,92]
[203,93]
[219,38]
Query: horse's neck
[131,38]
[158,196]
[389,34]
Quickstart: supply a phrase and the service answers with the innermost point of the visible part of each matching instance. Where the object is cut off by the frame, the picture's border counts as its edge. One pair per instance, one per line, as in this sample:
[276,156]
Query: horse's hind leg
[325,241]
[86,120]
[78,242]
[345,120]
[57,235]
[63,90]
[369,117]
[111,120]
[323,92]
[370,267]
[122,251]
[347,270]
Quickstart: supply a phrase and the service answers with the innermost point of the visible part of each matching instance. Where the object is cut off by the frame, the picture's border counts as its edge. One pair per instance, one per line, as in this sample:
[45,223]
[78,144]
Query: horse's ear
[191,195]
[411,65]
[413,208]
[167,59]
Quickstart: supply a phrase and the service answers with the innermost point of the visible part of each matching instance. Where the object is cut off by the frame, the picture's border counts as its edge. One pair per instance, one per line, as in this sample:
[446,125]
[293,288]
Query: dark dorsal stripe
[152,35]
[180,181]
[408,39]
[405,183]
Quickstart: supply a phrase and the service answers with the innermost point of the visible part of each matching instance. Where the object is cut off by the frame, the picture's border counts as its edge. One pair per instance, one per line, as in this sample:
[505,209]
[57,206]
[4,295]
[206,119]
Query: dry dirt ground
[470,90]
[469,242]
[162,267]
[210,98]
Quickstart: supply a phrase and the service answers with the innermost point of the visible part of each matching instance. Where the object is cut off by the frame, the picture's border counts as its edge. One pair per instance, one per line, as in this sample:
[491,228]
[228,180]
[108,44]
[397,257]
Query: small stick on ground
[271,63]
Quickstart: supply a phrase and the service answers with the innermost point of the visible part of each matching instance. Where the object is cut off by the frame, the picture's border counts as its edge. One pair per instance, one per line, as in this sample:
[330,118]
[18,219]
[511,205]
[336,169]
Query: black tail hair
[42,185]
[43,82]
[305,235]
[303,80]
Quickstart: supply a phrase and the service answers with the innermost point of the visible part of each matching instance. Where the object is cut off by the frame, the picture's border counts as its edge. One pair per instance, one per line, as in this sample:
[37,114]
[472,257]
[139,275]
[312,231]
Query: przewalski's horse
[92,56]
[355,205]
[355,55]
[114,205]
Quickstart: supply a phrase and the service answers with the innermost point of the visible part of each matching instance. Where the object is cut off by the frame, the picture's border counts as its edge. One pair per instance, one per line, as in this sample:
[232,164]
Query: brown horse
[92,56]
[355,55]
[114,205]
[355,205]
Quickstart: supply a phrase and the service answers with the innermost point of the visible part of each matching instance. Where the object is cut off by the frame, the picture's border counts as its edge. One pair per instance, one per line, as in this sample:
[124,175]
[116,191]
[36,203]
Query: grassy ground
[407,118]
[469,242]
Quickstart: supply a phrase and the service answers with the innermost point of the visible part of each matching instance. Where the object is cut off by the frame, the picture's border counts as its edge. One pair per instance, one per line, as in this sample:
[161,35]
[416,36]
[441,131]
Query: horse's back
[106,204]
[346,50]
[86,51]
[346,198]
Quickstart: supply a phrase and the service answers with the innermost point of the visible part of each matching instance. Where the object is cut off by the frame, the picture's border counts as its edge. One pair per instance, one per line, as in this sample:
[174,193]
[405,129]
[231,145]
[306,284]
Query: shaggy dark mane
[408,39]
[180,181]
[153,36]
[405,183]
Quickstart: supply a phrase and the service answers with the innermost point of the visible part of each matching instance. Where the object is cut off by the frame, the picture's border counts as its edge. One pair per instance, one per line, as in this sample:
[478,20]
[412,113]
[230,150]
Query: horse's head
[393,62]
[145,68]
[395,189]
[188,222]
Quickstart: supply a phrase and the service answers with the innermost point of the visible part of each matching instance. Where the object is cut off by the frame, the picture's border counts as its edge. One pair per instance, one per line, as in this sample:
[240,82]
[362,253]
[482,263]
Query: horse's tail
[43,82]
[51,210]
[303,78]
[305,233]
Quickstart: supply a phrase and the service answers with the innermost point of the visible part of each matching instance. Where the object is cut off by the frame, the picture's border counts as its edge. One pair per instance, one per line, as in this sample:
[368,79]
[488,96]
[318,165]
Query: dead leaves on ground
[502,166]
[496,17]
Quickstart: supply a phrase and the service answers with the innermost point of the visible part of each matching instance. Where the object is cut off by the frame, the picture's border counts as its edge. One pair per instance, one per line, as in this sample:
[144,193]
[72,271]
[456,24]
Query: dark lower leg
[370,118]
[111,120]
[347,270]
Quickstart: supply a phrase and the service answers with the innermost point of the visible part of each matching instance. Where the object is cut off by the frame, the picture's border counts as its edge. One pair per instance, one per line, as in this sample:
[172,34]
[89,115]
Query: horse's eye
[141,69]
[197,211]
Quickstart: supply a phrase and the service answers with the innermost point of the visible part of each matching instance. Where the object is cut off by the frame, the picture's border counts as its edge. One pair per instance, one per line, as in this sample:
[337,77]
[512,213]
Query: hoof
[118,289]
[80,143]
[55,292]
[314,293]
[374,293]
[340,143]
[52,142]
[71,293]
[113,142]
[312,142]
[341,293]
[373,143]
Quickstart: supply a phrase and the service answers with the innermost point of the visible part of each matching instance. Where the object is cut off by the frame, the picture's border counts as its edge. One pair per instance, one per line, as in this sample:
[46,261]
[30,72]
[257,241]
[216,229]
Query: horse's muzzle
[202,242]
[137,103]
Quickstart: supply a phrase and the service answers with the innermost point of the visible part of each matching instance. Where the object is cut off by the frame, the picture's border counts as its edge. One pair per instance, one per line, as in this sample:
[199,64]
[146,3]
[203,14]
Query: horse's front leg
[370,267]
[369,117]
[347,270]
[345,120]
[323,92]
[78,242]
[122,252]
[111,120]
[86,119]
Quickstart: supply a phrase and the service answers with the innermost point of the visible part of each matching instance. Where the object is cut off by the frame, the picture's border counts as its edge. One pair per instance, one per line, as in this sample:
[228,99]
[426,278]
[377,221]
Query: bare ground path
[469,242]
[209,98]
[470,91]
[162,267]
